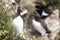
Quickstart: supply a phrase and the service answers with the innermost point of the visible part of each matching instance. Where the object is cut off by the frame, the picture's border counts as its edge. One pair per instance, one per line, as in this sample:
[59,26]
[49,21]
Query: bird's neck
[37,18]
[15,15]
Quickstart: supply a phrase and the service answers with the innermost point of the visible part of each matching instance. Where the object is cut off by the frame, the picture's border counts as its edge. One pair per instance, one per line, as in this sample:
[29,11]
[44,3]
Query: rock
[53,21]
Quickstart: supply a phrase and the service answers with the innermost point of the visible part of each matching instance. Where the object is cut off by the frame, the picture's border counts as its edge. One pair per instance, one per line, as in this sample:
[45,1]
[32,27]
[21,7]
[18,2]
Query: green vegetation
[6,28]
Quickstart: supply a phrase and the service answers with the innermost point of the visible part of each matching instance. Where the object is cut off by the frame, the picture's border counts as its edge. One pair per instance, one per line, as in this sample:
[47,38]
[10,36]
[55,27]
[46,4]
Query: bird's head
[43,10]
[21,11]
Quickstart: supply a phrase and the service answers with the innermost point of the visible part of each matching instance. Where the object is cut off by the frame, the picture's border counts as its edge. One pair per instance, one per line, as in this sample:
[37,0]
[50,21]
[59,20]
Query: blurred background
[8,9]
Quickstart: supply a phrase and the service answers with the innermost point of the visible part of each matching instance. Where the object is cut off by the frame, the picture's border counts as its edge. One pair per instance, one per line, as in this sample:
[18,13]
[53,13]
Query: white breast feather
[38,27]
[18,25]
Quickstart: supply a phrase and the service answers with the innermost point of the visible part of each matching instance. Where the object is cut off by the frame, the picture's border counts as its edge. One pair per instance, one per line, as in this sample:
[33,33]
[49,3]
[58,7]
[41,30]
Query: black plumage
[44,25]
[40,8]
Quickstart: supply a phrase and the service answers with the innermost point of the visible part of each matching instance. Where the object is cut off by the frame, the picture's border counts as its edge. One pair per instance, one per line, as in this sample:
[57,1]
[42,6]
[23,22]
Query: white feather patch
[18,25]
[44,14]
[24,12]
[38,27]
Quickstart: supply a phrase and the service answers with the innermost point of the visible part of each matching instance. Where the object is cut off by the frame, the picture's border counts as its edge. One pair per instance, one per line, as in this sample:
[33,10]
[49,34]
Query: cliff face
[53,21]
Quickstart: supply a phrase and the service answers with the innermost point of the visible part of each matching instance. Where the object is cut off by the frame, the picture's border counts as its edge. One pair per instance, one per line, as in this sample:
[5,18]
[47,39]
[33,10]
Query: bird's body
[39,27]
[18,25]
[39,20]
[18,21]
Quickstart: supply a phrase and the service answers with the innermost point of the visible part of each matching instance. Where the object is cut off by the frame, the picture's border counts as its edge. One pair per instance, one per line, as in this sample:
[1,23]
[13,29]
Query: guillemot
[18,21]
[40,25]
